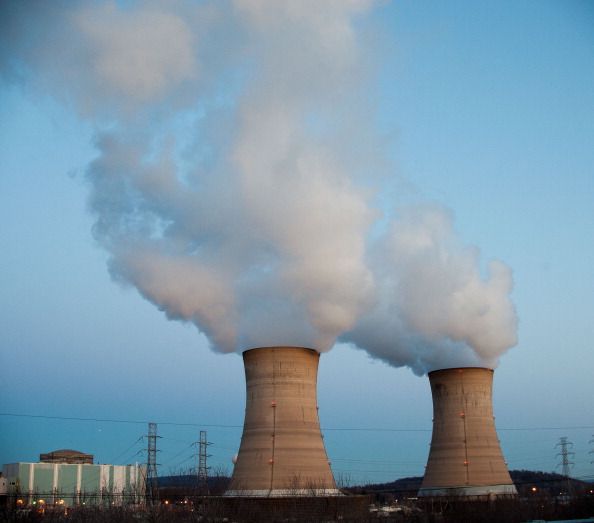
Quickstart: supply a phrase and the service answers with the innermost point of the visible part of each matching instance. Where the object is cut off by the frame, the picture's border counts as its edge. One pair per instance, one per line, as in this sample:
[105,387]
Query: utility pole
[565,464]
[152,482]
[202,467]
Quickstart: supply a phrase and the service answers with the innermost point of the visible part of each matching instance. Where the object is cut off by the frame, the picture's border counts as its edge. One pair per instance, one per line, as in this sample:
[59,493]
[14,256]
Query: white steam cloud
[433,308]
[234,182]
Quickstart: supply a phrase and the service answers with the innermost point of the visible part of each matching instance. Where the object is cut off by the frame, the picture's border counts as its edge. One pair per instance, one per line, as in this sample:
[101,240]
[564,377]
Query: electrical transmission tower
[202,467]
[565,454]
[591,442]
[152,482]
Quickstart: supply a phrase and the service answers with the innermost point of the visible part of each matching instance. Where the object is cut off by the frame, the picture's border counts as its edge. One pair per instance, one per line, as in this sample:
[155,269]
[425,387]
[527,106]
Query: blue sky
[486,109]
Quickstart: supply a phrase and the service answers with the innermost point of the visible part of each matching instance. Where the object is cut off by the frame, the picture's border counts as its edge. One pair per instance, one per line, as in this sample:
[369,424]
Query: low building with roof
[66,456]
[67,478]
[3,490]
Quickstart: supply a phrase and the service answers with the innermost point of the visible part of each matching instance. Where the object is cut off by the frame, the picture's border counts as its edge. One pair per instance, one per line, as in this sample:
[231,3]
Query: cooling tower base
[282,450]
[489,491]
[283,493]
[465,458]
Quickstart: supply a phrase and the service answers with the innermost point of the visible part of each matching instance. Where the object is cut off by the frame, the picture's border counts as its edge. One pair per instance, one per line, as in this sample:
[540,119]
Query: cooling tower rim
[462,369]
[274,347]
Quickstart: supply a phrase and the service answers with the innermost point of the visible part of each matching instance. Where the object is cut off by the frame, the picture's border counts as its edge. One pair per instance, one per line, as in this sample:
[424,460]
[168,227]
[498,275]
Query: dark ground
[542,496]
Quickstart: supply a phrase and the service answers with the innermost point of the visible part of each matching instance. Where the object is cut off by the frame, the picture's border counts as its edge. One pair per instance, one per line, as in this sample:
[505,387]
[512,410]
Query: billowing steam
[236,179]
[433,309]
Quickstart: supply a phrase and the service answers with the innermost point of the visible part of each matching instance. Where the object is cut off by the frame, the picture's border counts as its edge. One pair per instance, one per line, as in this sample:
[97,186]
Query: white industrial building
[71,481]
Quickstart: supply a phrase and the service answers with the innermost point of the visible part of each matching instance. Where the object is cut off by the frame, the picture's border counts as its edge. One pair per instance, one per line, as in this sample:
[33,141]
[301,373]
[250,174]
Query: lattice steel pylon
[565,455]
[202,463]
[152,481]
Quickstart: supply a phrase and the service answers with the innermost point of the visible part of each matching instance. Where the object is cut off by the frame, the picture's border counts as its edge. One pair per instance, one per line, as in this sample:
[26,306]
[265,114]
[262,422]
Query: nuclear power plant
[465,458]
[282,469]
[282,451]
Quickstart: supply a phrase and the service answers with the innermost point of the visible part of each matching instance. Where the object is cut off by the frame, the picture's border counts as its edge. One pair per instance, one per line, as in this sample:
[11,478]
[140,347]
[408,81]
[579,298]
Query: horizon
[481,112]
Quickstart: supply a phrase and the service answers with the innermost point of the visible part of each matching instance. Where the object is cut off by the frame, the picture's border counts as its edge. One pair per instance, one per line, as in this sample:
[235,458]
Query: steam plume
[232,182]
[433,308]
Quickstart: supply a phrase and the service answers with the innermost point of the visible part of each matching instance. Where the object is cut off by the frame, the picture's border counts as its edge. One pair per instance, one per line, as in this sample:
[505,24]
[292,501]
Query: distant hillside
[545,483]
[187,484]
[549,482]
[525,481]
[403,487]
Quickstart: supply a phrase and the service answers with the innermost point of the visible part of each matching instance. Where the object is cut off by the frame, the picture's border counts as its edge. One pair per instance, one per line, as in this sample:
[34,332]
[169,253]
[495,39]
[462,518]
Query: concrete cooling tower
[282,452]
[465,457]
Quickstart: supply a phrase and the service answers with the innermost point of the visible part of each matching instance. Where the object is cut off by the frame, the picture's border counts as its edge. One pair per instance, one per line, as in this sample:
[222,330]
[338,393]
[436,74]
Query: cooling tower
[465,457]
[281,451]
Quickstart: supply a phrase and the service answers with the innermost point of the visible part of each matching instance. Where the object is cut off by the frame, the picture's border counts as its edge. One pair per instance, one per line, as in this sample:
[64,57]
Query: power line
[130,457]
[202,466]
[152,488]
[565,453]
[127,450]
[111,420]
[386,462]
[177,440]
[371,429]
[172,468]
[178,454]
[583,427]
[223,426]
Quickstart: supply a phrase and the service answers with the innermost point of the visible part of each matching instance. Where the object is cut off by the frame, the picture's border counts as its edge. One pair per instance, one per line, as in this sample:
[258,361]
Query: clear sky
[485,109]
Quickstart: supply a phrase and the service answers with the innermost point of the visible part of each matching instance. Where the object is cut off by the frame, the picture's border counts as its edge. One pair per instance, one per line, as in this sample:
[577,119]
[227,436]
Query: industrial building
[465,459]
[3,490]
[69,479]
[282,471]
[282,451]
[66,456]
